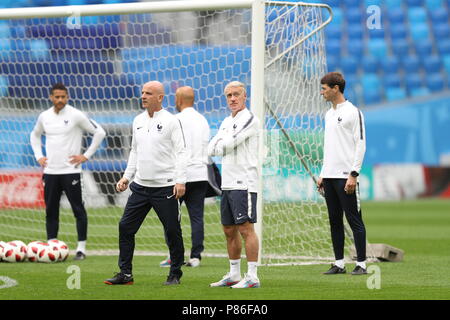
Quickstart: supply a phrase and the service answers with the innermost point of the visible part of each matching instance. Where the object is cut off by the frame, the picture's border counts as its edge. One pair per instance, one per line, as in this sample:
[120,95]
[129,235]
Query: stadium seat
[377,47]
[3,86]
[333,63]
[352,3]
[400,47]
[349,65]
[396,16]
[414,3]
[443,46]
[435,82]
[419,31]
[333,47]
[355,31]
[398,31]
[333,32]
[390,64]
[353,15]
[369,64]
[376,33]
[333,3]
[395,93]
[439,16]
[424,47]
[419,92]
[392,80]
[370,81]
[441,31]
[337,16]
[432,64]
[355,47]
[393,4]
[434,5]
[417,15]
[411,64]
[446,61]
[372,96]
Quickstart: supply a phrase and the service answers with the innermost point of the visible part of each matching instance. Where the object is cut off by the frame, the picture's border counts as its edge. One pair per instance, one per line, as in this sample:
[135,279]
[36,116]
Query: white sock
[235,268]
[340,263]
[253,269]
[361,264]
[81,246]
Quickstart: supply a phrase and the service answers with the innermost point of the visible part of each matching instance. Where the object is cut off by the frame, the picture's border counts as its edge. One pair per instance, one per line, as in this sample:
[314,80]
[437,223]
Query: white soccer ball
[33,249]
[22,246]
[13,253]
[48,253]
[62,247]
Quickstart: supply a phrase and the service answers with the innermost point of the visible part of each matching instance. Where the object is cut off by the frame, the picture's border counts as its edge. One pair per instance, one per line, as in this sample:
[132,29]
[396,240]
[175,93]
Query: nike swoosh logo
[74,182]
[168,197]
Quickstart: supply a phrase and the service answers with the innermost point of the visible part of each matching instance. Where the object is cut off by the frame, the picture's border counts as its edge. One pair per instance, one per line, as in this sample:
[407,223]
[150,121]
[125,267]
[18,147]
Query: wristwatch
[354,174]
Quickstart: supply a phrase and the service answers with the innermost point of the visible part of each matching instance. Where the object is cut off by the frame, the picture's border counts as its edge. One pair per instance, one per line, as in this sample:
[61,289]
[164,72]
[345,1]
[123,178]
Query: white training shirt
[158,151]
[63,132]
[345,141]
[196,132]
[237,143]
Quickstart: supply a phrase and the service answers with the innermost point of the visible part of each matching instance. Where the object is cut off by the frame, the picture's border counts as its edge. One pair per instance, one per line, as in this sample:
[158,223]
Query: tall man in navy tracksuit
[157,166]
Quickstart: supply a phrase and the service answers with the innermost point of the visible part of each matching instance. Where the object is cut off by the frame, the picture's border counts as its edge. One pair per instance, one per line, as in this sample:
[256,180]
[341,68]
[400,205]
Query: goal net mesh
[105,60]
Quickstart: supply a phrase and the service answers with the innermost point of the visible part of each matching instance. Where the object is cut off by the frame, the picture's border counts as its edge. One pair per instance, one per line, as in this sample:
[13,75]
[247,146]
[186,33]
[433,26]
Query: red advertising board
[21,189]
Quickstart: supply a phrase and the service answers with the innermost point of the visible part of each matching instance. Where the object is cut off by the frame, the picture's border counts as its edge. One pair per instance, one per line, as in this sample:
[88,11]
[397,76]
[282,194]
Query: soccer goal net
[105,53]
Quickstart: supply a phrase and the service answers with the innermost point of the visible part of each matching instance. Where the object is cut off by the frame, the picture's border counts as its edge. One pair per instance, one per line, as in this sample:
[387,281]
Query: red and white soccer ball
[2,245]
[62,247]
[14,251]
[48,253]
[33,249]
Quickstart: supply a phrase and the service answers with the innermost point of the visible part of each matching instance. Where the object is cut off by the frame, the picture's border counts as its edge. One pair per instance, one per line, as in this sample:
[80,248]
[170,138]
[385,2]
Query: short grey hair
[235,84]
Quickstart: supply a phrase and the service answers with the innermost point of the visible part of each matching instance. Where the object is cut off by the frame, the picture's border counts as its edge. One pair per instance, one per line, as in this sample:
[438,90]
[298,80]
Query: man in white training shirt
[196,132]
[237,143]
[344,148]
[157,166]
[63,127]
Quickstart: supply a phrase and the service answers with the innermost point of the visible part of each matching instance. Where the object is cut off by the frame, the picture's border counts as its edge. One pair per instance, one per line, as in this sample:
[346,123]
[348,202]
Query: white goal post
[104,53]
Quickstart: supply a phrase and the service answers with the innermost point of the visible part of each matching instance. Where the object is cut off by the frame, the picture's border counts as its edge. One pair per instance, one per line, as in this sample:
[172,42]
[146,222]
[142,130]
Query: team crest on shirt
[159,127]
[339,120]
[66,122]
[234,126]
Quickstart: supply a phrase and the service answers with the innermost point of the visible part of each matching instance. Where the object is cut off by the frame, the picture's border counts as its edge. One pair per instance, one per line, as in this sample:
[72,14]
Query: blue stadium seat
[439,16]
[419,31]
[352,3]
[419,92]
[417,15]
[333,3]
[353,15]
[333,47]
[349,65]
[443,46]
[435,82]
[355,31]
[414,3]
[355,47]
[337,16]
[368,3]
[392,80]
[411,64]
[423,48]
[390,65]
[333,32]
[376,33]
[396,15]
[369,64]
[432,64]
[441,31]
[400,47]
[393,94]
[446,62]
[434,4]
[3,86]
[377,47]
[332,63]
[393,4]
[398,31]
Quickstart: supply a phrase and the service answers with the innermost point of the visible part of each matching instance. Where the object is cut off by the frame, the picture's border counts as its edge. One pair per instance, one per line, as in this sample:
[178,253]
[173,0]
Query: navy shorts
[237,207]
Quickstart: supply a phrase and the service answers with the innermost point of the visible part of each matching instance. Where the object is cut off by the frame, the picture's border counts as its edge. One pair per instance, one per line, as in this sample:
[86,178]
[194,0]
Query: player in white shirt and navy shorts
[237,143]
[344,149]
[63,127]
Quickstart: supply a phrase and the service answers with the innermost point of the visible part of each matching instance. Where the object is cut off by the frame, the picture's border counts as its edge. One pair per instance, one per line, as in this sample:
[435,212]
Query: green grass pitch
[420,227]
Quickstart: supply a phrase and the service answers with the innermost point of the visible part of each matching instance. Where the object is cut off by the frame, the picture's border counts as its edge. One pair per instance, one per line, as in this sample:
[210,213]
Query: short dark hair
[58,86]
[334,79]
